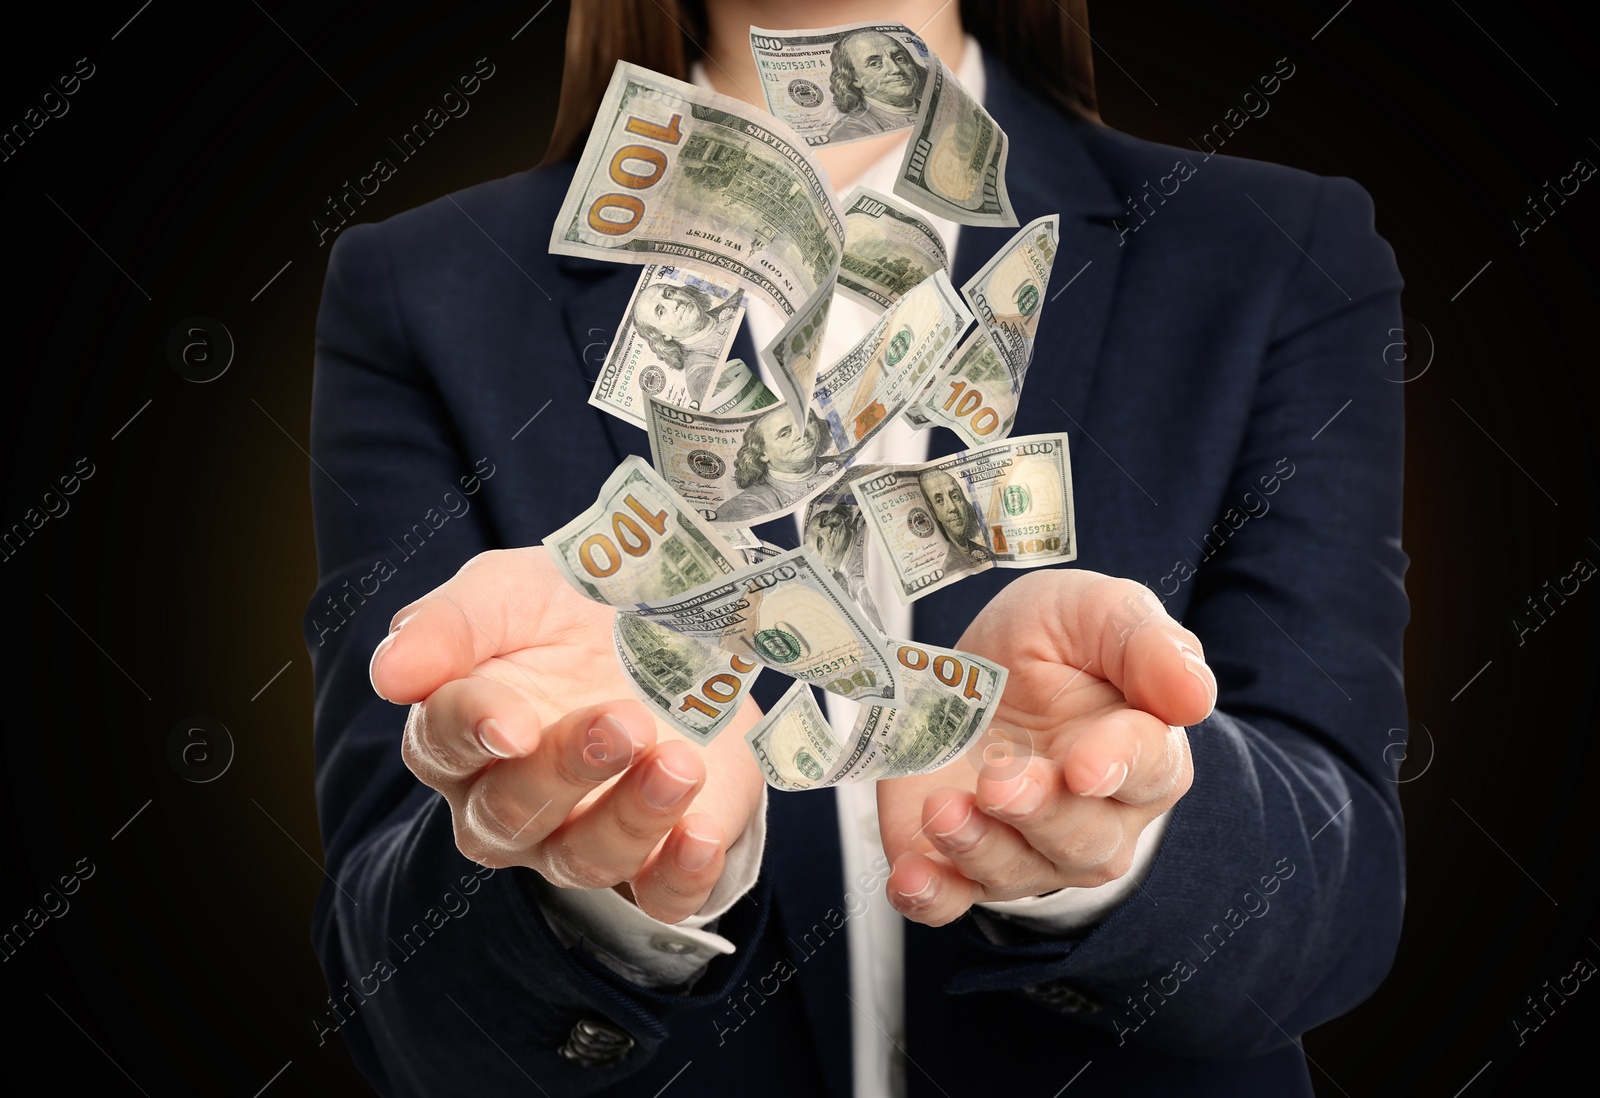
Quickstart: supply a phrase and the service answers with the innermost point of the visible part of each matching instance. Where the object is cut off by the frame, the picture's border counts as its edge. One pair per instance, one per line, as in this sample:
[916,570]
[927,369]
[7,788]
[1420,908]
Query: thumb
[499,602]
[1160,667]
[1118,630]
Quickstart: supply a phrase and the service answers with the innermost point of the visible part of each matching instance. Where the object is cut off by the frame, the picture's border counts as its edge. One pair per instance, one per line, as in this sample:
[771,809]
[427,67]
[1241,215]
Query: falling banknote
[795,354]
[836,530]
[864,391]
[786,613]
[696,686]
[834,85]
[673,173]
[955,162]
[1005,505]
[636,543]
[977,394]
[946,700]
[741,469]
[838,84]
[672,342]
[888,249]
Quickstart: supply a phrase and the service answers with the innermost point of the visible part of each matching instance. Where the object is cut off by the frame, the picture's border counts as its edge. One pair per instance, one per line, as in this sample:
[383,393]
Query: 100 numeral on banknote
[639,542]
[673,173]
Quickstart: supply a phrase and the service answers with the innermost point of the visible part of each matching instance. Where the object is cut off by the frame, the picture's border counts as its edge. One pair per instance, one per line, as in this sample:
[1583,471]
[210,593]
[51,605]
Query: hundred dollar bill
[695,686]
[741,469]
[638,542]
[738,389]
[1007,293]
[673,173]
[888,249]
[795,352]
[786,613]
[834,85]
[955,161]
[672,341]
[862,393]
[976,395]
[836,530]
[1008,505]
[793,743]
[945,701]
[978,392]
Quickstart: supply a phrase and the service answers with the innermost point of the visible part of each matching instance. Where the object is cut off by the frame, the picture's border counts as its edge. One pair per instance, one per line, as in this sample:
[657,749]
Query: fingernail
[377,657]
[695,852]
[662,788]
[1025,799]
[965,834]
[494,740]
[1110,782]
[604,744]
[922,896]
[1197,667]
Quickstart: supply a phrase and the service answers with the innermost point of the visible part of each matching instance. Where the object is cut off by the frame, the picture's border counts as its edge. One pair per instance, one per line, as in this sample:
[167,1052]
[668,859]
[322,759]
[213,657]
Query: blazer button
[595,1044]
[666,943]
[1064,997]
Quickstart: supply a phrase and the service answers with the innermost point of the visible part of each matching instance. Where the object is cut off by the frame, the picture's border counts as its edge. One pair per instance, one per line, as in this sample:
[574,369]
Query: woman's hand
[1080,757]
[523,720]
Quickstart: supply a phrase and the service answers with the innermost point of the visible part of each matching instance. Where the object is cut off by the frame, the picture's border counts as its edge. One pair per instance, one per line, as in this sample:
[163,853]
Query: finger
[677,880]
[1084,838]
[500,601]
[608,840]
[929,892]
[464,726]
[983,849]
[517,802]
[1129,755]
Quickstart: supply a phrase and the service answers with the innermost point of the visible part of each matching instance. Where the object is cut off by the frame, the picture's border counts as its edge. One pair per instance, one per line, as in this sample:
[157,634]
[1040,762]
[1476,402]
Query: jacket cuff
[647,951]
[1071,911]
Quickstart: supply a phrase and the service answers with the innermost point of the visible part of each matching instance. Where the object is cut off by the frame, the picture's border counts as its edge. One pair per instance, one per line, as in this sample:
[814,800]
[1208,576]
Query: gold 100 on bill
[673,173]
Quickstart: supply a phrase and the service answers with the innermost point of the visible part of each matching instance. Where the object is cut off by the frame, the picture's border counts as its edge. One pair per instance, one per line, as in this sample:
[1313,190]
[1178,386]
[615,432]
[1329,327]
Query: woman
[1187,862]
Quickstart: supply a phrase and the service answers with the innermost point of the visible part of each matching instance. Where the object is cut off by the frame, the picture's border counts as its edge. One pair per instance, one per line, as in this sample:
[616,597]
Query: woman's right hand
[522,718]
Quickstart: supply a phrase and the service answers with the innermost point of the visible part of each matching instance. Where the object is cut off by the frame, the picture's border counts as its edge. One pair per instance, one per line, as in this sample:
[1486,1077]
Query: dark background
[196,157]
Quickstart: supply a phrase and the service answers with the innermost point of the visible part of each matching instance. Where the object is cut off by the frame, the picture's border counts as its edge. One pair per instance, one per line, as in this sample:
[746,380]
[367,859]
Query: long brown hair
[1043,45]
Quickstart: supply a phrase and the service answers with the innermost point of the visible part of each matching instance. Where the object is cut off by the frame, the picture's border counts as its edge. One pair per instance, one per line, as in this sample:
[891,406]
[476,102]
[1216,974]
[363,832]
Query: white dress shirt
[659,954]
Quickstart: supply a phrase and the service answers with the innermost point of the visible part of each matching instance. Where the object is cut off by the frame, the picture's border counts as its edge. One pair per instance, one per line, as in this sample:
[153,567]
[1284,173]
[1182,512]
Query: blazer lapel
[594,308]
[1050,170]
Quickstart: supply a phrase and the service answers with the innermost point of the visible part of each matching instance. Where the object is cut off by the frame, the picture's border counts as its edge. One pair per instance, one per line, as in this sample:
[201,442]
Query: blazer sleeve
[1275,902]
[440,971]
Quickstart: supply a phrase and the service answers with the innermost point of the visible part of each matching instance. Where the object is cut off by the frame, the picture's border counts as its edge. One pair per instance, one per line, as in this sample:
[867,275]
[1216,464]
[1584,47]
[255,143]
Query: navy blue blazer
[1213,346]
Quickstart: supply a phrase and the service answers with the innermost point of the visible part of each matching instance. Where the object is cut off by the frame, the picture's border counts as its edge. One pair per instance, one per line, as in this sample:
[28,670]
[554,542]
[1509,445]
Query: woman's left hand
[1088,746]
